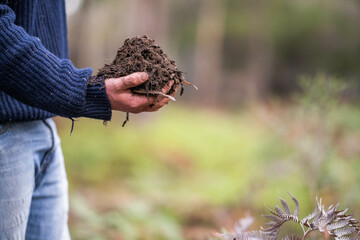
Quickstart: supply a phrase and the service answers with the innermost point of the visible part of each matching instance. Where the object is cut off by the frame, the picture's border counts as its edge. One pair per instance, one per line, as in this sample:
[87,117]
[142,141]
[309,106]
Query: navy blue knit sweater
[37,80]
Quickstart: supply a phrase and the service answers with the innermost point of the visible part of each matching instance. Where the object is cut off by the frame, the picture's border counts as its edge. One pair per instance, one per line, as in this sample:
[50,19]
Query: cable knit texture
[37,80]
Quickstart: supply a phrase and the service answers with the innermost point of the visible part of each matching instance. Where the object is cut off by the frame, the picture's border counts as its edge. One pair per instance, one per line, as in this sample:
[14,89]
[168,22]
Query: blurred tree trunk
[91,32]
[147,17]
[76,27]
[209,50]
[99,28]
[258,70]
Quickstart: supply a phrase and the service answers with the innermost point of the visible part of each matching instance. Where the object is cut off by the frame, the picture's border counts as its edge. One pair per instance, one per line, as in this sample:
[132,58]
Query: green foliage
[138,220]
[322,93]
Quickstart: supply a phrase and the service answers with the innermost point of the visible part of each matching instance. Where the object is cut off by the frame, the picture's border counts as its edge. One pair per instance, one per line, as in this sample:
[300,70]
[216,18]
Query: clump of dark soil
[141,54]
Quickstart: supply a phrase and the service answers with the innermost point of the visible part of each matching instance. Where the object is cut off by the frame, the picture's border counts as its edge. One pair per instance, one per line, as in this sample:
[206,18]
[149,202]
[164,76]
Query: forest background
[277,110]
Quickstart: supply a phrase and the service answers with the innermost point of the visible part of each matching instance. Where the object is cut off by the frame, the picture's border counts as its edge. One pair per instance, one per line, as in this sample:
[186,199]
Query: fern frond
[291,237]
[283,217]
[345,238]
[275,225]
[285,206]
[335,222]
[253,235]
[296,211]
[272,217]
[272,227]
[325,220]
[312,215]
[344,231]
[342,212]
[315,223]
[279,217]
[279,210]
[333,209]
[337,225]
[274,213]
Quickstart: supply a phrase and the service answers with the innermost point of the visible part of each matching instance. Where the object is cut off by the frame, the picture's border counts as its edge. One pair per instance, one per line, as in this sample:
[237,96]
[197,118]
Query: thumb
[133,80]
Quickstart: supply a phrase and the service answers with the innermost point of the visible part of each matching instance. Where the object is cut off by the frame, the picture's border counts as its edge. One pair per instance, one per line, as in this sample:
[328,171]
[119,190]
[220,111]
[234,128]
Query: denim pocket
[5,127]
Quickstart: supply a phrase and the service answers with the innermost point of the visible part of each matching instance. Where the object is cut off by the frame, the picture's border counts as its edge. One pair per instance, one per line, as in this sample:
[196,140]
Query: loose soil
[141,54]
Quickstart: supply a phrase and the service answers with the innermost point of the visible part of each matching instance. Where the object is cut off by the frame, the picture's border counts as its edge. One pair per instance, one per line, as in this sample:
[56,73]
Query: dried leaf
[345,238]
[273,218]
[296,211]
[253,235]
[279,210]
[291,237]
[344,231]
[337,225]
[286,206]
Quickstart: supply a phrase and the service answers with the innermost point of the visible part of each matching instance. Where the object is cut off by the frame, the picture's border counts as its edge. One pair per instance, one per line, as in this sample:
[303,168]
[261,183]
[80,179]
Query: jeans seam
[44,163]
[5,127]
[48,152]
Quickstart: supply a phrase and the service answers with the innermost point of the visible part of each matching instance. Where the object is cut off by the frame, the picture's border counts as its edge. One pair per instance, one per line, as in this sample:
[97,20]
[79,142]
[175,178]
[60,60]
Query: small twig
[306,233]
[302,228]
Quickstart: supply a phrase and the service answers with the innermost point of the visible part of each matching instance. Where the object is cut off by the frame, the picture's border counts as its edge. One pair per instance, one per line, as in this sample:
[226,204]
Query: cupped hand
[122,99]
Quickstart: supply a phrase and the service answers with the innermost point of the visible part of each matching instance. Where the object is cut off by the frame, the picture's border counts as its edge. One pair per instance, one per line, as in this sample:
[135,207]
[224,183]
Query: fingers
[131,80]
[142,100]
[157,105]
[123,99]
[162,101]
[167,87]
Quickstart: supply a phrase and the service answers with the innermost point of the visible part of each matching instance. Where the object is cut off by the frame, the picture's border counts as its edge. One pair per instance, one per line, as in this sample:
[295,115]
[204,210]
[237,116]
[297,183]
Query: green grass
[182,153]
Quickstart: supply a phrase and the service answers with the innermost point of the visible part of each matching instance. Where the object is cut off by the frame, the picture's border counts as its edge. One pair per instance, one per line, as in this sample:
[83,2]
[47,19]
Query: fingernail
[143,76]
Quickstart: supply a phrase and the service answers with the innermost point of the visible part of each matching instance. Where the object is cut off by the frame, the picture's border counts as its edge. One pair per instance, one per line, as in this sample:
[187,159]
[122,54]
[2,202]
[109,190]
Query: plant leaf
[312,215]
[253,235]
[337,225]
[344,231]
[296,211]
[345,238]
[273,218]
[291,237]
[279,210]
[286,206]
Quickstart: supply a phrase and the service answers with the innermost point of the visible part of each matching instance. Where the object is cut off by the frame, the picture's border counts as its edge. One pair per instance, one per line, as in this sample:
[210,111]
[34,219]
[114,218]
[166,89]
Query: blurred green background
[277,112]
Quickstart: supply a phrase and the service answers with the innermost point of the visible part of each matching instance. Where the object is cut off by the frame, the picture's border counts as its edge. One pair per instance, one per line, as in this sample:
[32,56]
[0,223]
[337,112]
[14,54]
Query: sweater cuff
[97,104]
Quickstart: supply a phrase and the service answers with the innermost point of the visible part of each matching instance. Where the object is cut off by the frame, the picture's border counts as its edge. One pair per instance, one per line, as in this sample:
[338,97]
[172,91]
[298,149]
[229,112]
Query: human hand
[122,99]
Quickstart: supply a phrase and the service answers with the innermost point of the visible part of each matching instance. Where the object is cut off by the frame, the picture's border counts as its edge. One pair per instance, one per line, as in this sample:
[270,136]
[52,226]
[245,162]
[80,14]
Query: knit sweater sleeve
[35,76]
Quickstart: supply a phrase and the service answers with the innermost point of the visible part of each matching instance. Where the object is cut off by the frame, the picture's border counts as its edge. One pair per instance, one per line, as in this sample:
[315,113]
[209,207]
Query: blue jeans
[33,184]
